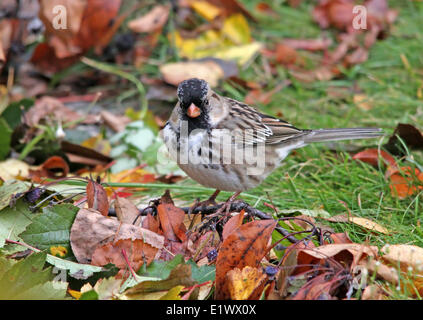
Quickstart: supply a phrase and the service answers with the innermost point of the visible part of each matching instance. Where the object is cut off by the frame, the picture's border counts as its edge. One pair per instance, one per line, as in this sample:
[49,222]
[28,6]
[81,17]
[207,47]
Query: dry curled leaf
[97,197]
[91,229]
[246,246]
[136,251]
[154,20]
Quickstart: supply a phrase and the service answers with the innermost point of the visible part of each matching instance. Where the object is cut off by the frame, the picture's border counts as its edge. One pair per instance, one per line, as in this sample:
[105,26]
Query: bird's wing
[257,127]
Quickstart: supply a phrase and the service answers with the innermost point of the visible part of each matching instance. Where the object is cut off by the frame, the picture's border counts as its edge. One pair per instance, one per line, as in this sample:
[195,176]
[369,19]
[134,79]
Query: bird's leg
[227,205]
[209,202]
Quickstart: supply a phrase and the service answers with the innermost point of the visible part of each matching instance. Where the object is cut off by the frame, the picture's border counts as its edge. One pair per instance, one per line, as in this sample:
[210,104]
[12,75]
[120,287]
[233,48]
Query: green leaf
[89,295]
[180,275]
[52,290]
[13,113]
[76,270]
[203,273]
[51,228]
[5,138]
[141,139]
[13,221]
[26,279]
[162,269]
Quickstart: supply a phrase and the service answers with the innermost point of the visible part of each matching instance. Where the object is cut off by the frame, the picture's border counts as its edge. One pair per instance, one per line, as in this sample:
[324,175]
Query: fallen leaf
[14,169]
[362,222]
[54,167]
[403,181]
[126,211]
[233,223]
[174,73]
[246,284]
[51,108]
[154,20]
[408,133]
[371,156]
[362,101]
[373,292]
[410,260]
[91,229]
[97,197]
[258,96]
[308,44]
[246,246]
[171,221]
[205,9]
[368,224]
[136,250]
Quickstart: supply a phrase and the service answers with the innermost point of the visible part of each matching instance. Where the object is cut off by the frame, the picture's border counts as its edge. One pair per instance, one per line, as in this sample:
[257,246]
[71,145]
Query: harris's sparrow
[228,145]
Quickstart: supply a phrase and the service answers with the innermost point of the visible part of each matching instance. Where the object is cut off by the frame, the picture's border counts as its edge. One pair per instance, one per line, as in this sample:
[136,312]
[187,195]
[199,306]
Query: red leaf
[371,156]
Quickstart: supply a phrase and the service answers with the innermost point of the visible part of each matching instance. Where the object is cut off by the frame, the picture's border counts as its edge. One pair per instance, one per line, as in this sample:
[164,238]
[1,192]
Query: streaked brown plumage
[205,112]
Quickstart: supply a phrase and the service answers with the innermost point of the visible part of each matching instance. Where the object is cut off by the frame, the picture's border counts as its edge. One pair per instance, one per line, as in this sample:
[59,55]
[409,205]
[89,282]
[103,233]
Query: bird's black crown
[192,91]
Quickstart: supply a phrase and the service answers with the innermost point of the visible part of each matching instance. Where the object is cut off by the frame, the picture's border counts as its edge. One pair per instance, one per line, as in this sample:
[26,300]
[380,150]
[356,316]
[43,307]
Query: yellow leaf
[205,9]
[362,101]
[173,294]
[14,169]
[236,29]
[242,54]
[75,294]
[98,143]
[59,251]
[368,224]
[243,283]
[233,42]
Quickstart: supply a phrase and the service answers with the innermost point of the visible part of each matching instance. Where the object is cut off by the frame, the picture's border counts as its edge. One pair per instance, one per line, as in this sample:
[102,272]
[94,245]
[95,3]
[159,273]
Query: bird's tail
[322,135]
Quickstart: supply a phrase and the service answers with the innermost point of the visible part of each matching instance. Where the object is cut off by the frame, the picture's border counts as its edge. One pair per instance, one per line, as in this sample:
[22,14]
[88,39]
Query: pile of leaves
[166,252]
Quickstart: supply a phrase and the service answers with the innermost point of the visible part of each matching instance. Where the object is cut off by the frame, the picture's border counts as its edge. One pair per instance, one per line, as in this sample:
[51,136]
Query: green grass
[315,177]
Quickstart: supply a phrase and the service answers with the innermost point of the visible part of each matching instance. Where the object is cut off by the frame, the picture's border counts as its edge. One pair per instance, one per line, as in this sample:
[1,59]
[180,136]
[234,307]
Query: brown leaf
[136,250]
[97,197]
[115,122]
[233,223]
[371,156]
[151,223]
[54,168]
[90,229]
[246,246]
[230,7]
[340,238]
[403,181]
[337,13]
[408,133]
[47,108]
[154,20]
[410,260]
[126,211]
[258,96]
[208,70]
[172,221]
[91,24]
[308,44]
[79,154]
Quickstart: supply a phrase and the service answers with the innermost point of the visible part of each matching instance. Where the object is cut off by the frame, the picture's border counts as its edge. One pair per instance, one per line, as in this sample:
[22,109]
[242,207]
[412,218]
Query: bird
[228,145]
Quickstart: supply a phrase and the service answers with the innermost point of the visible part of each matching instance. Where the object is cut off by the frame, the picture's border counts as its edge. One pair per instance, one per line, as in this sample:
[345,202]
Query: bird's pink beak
[193,111]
